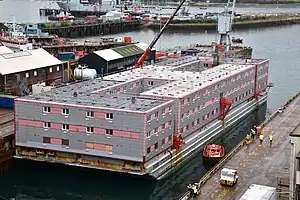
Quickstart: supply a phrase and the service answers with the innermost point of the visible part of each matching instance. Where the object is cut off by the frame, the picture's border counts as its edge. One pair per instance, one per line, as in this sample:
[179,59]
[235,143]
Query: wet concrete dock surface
[258,164]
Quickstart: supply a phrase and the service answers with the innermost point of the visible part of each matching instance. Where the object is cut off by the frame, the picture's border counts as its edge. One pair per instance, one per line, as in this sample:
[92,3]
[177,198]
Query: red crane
[144,56]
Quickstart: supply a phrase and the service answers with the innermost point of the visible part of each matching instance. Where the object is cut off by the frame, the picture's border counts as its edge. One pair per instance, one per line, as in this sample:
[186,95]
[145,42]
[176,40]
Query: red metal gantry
[225,105]
[177,142]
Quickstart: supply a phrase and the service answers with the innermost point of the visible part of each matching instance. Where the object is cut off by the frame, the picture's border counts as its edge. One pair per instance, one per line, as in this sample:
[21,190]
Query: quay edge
[206,180]
[235,25]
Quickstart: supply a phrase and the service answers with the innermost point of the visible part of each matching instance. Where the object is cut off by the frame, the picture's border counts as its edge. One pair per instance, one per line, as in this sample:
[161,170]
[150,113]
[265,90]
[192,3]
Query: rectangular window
[50,69]
[109,116]
[65,127]
[109,132]
[47,124]
[163,111]
[27,75]
[156,130]
[156,115]
[149,150]
[90,114]
[163,141]
[46,109]
[65,142]
[163,126]
[150,83]
[148,133]
[193,124]
[90,129]
[156,145]
[198,121]
[65,111]
[46,140]
[57,68]
[34,73]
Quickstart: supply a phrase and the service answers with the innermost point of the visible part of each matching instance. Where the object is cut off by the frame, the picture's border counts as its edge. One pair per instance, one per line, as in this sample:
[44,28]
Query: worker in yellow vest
[261,139]
[253,133]
[271,139]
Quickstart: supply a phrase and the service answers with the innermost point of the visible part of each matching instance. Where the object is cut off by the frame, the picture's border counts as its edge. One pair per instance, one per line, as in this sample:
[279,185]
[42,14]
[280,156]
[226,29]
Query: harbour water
[28,10]
[27,180]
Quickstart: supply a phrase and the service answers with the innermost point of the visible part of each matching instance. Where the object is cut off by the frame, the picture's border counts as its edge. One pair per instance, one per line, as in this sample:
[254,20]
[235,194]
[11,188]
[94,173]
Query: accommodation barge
[145,121]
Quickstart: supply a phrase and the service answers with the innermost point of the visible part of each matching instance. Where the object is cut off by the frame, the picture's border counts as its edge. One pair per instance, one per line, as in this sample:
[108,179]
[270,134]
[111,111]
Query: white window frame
[34,73]
[46,109]
[58,68]
[111,130]
[90,129]
[90,114]
[47,125]
[150,83]
[50,69]
[27,74]
[148,134]
[65,127]
[109,116]
[65,111]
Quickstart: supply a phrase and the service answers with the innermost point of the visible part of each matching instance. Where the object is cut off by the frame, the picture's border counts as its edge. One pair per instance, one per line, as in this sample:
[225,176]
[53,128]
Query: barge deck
[257,164]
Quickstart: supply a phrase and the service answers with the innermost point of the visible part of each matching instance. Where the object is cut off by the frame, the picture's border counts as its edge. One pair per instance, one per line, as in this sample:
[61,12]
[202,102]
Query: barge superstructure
[145,121]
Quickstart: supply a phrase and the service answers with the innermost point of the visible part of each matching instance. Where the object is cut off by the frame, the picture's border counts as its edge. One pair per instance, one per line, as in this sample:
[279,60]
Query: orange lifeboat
[213,152]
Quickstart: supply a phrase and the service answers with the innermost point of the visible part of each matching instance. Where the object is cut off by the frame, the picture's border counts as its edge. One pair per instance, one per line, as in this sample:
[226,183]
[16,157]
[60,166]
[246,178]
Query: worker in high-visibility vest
[258,130]
[271,139]
[248,139]
[261,139]
[253,133]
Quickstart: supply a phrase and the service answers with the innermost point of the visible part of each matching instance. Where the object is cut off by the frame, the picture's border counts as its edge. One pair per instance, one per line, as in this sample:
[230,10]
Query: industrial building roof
[122,52]
[26,60]
[4,49]
[86,97]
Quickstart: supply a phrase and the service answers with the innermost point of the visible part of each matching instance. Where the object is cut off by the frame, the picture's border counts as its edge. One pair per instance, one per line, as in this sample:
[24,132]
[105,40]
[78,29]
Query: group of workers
[194,190]
[256,131]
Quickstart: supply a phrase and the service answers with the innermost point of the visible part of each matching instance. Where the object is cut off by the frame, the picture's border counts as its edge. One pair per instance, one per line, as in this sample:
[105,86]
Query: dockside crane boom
[147,51]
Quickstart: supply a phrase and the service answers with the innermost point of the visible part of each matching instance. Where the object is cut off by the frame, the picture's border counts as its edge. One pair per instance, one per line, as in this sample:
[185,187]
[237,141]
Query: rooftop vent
[133,99]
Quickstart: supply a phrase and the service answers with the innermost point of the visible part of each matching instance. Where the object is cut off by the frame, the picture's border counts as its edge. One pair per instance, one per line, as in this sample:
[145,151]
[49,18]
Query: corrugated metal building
[19,70]
[116,59]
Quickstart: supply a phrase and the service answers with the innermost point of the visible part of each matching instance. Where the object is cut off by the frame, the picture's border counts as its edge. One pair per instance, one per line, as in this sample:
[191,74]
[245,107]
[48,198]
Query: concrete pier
[255,163]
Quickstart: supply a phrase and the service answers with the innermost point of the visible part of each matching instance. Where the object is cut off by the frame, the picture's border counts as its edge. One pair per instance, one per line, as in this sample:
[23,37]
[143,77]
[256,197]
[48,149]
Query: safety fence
[221,163]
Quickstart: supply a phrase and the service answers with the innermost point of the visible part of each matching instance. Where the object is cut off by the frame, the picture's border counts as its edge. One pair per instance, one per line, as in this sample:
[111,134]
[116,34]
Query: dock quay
[86,30]
[246,24]
[257,164]
[207,50]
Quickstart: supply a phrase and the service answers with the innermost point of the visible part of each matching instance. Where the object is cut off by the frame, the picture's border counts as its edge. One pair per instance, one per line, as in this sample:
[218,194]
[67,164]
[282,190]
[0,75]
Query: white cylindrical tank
[83,73]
